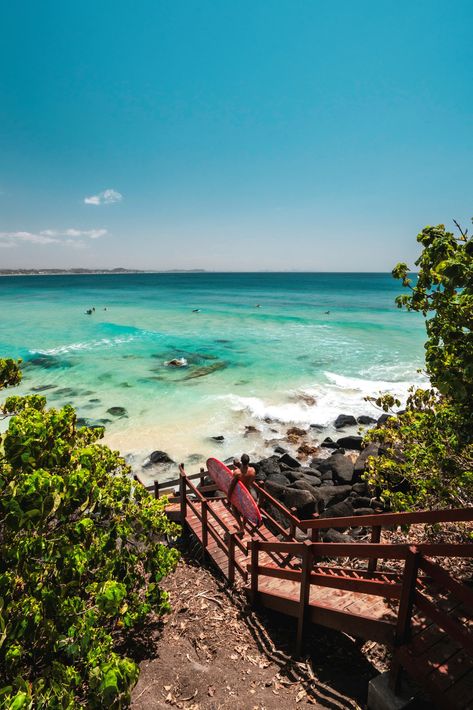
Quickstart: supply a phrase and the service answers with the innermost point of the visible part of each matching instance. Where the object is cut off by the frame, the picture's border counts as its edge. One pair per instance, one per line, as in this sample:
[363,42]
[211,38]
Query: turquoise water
[315,346]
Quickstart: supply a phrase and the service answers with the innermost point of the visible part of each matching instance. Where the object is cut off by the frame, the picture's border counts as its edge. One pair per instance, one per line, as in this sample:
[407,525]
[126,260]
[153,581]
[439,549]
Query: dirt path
[213,652]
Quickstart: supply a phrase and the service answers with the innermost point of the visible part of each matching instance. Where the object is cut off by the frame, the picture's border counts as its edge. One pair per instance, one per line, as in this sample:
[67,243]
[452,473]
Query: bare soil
[212,651]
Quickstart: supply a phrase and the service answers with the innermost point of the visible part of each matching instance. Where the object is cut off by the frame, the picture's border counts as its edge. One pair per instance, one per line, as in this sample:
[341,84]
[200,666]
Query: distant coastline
[81,271]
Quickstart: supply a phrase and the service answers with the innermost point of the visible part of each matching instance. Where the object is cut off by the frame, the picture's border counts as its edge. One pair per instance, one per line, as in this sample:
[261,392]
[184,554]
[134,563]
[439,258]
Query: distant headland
[118,270]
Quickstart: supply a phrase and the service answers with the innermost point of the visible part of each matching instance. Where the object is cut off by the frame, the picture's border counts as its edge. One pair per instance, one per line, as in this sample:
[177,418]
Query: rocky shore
[310,476]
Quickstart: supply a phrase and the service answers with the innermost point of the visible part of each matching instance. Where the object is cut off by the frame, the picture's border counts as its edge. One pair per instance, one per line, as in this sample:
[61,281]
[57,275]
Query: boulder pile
[330,487]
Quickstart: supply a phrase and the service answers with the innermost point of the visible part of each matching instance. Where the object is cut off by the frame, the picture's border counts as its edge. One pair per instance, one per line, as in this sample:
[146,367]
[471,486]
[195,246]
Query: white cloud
[67,237]
[107,197]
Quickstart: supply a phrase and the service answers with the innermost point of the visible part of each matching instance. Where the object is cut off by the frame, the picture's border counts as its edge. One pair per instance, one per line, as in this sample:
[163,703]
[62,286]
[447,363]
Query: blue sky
[275,134]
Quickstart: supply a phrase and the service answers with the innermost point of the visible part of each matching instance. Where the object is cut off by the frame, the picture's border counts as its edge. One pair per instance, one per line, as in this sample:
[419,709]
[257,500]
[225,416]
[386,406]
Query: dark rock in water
[289,460]
[365,511]
[332,535]
[351,442]
[104,421]
[365,419]
[343,509]
[204,371]
[117,411]
[383,418]
[126,385]
[329,443]
[268,466]
[66,392]
[303,501]
[43,388]
[360,488]
[250,429]
[344,420]
[95,400]
[195,458]
[280,450]
[296,431]
[160,457]
[86,393]
[47,362]
[306,449]
[218,438]
[81,421]
[317,427]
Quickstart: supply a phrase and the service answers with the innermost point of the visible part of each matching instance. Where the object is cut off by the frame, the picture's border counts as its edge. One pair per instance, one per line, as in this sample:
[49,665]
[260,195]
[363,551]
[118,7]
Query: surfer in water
[246,474]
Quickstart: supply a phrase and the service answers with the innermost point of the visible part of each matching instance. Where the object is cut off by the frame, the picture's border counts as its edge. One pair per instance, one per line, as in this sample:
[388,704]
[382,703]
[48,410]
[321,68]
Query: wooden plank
[353,549]
[450,625]
[451,670]
[460,590]
[460,695]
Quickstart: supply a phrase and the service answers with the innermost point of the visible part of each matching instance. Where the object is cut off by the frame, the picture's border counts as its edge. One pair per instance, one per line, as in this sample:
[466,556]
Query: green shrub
[81,560]
[428,450]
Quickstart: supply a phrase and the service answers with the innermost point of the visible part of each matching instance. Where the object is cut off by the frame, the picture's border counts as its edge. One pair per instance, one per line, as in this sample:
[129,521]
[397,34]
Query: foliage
[81,560]
[10,373]
[427,451]
[444,287]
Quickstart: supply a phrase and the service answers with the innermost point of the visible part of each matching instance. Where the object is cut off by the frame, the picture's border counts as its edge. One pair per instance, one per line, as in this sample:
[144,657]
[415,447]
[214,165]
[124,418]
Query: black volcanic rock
[344,420]
[329,443]
[351,442]
[289,460]
[366,419]
[160,457]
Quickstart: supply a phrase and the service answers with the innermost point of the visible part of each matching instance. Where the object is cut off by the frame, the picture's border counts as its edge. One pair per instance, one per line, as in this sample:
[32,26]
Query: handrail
[368,549]
[453,515]
[442,577]
[375,587]
[193,488]
[282,508]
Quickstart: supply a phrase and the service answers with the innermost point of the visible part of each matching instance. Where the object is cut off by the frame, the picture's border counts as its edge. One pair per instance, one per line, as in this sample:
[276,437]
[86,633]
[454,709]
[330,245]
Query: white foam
[341,394]
[91,345]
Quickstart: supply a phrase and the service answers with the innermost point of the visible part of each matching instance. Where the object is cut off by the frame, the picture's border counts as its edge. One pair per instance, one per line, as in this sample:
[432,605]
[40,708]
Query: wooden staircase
[420,611]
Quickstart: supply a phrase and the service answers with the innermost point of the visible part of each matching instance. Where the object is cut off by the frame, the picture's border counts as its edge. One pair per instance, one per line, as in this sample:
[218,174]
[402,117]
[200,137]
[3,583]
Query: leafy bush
[81,559]
[428,450]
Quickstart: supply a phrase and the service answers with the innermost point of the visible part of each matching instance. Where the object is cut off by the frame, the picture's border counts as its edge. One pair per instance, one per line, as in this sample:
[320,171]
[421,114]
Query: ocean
[260,351]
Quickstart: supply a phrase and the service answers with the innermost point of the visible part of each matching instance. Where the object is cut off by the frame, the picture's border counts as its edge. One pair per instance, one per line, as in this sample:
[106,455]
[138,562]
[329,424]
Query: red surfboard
[241,497]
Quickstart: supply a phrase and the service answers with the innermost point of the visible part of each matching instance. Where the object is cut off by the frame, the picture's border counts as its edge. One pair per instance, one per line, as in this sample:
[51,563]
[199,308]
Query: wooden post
[231,558]
[307,562]
[182,492]
[254,571]
[375,537]
[202,476]
[156,489]
[205,528]
[404,616]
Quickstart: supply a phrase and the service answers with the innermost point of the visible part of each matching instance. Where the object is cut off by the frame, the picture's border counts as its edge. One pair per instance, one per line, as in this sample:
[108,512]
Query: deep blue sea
[262,349]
